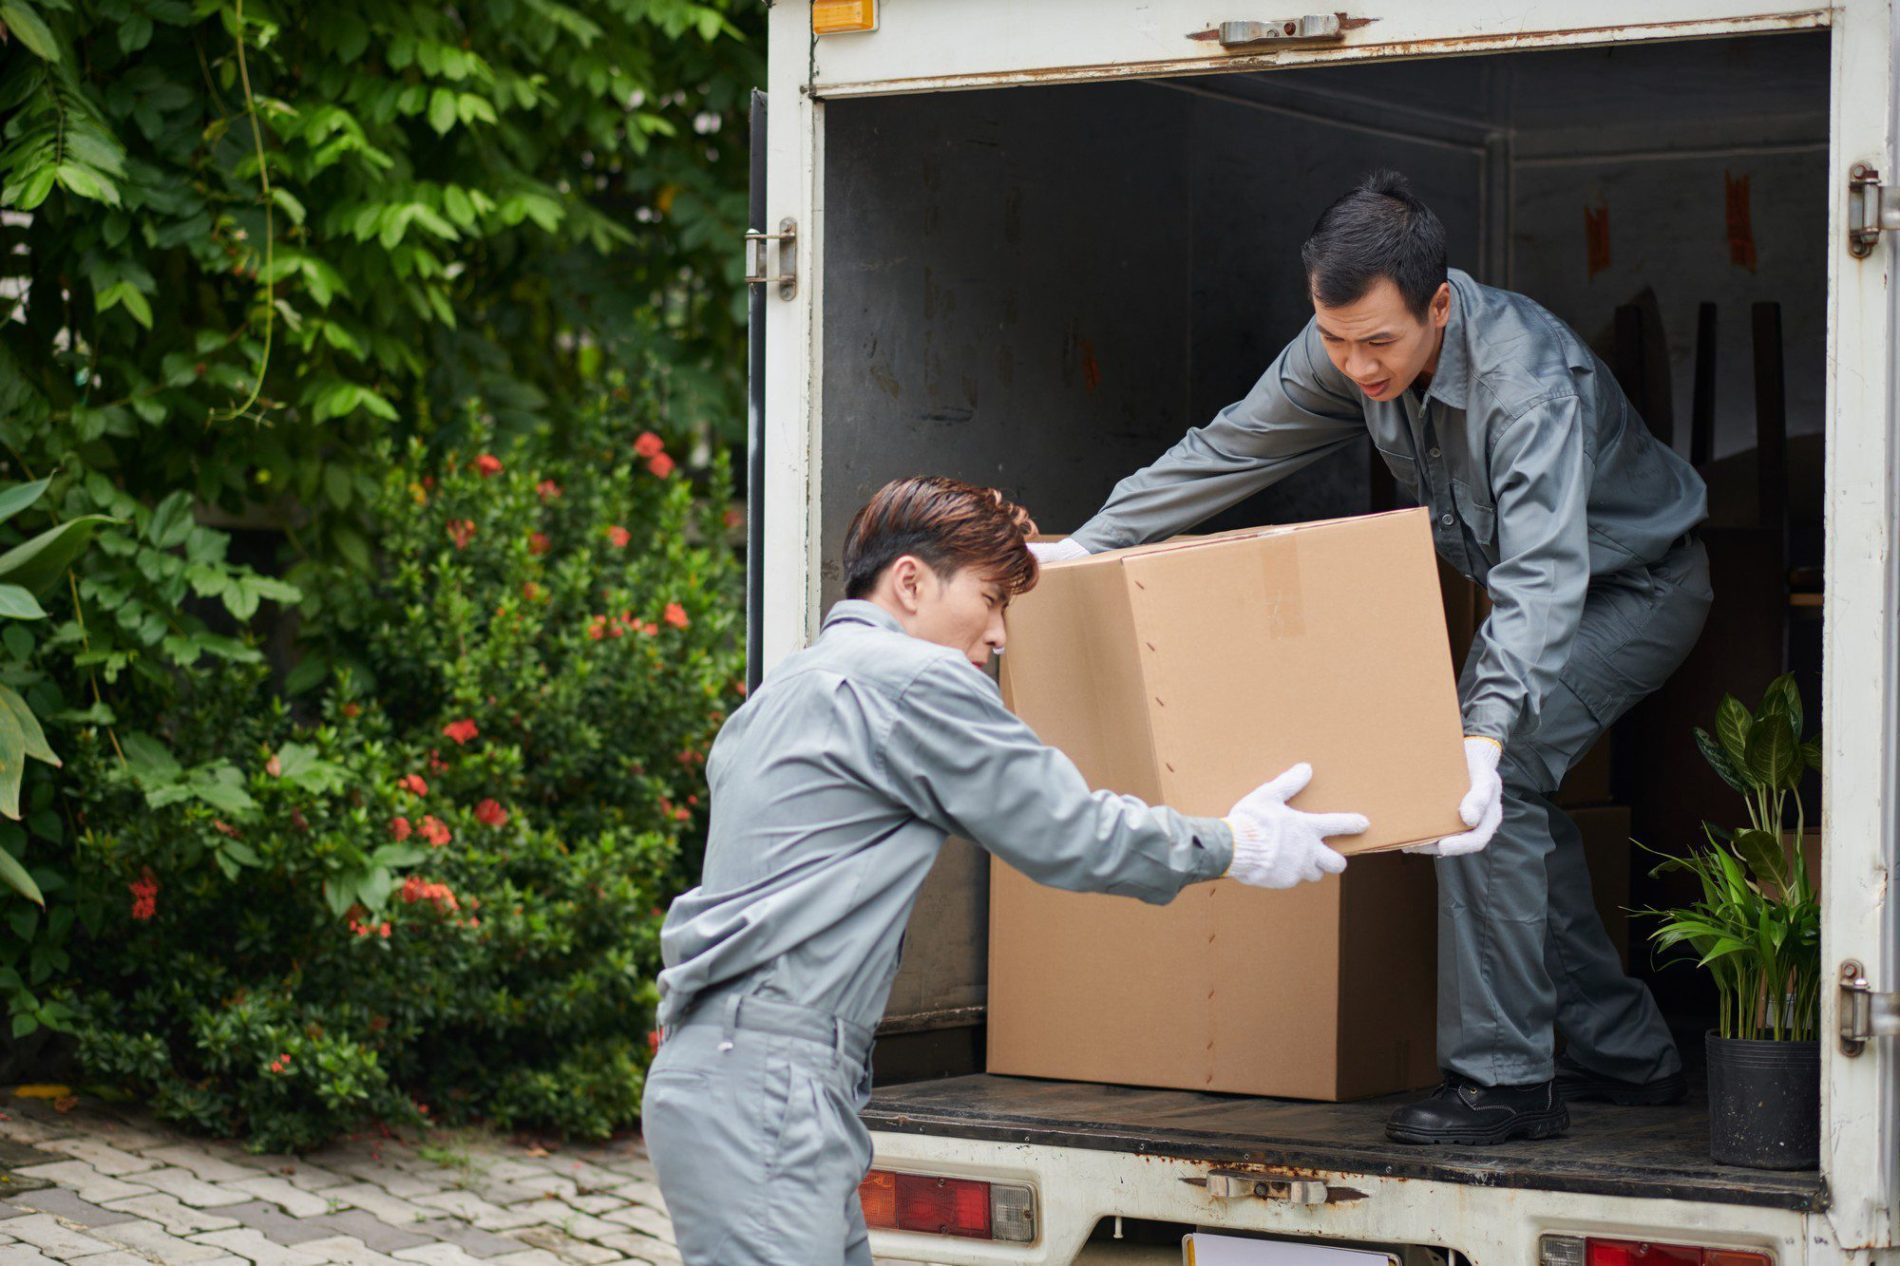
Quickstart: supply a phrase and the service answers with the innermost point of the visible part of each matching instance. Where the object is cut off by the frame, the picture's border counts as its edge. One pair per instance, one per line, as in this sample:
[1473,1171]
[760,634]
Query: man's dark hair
[948,524]
[1377,230]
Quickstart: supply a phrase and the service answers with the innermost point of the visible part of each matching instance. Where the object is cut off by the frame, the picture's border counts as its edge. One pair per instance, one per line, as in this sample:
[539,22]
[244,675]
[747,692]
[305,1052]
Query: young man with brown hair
[832,790]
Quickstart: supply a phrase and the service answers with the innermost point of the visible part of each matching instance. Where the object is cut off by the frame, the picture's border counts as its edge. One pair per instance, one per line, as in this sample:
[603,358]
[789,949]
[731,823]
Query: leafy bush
[438,895]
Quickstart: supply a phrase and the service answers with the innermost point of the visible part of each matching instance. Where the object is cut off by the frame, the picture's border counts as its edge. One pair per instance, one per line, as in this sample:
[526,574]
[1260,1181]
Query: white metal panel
[1491,1226]
[1861,1096]
[922,45]
[793,177]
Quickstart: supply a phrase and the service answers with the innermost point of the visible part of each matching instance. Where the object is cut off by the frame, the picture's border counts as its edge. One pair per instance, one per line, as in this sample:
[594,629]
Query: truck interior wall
[1041,288]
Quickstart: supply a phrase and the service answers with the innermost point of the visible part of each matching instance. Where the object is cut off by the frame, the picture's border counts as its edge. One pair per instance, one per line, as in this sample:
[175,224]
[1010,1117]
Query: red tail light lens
[1638,1253]
[933,1205]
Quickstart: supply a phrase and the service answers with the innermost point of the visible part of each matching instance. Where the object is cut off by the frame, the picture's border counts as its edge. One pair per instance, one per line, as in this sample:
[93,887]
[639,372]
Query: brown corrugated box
[1187,673]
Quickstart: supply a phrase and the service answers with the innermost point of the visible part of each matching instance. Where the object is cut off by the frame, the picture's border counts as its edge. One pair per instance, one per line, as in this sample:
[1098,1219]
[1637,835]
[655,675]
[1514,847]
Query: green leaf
[241,853]
[33,737]
[442,110]
[1762,851]
[19,604]
[399,854]
[375,887]
[12,763]
[37,563]
[15,877]
[27,26]
[340,894]
[87,183]
[1718,760]
[1783,698]
[150,760]
[1811,752]
[1732,724]
[20,496]
[288,201]
[172,521]
[1773,757]
[309,672]
[24,1024]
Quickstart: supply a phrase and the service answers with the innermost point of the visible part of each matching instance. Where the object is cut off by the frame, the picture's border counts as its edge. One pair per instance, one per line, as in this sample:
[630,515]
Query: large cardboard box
[1187,673]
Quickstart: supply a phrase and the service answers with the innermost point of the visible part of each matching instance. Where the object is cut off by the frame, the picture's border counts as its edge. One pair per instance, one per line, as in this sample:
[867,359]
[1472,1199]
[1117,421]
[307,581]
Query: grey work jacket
[1538,472]
[833,788]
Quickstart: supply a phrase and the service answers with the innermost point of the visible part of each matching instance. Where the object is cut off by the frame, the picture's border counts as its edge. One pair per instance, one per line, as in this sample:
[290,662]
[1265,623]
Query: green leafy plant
[1757,924]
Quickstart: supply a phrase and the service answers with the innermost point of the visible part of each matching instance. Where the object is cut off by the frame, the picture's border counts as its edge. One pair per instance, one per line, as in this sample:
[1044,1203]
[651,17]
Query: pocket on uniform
[1404,470]
[1479,515]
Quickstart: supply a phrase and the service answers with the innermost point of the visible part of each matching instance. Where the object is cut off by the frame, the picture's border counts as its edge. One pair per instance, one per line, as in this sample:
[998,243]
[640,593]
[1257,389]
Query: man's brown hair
[948,524]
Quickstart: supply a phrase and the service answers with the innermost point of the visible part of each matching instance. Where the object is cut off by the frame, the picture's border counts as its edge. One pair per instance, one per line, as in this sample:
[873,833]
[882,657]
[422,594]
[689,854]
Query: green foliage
[1757,924]
[435,895]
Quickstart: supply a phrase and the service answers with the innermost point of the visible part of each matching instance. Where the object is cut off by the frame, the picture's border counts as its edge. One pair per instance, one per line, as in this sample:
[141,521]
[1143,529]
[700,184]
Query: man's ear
[1441,306]
[906,579]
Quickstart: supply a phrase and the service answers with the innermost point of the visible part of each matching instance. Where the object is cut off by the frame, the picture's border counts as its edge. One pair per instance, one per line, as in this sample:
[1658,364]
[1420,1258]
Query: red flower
[384,929]
[352,709]
[619,536]
[531,591]
[460,530]
[548,489]
[661,465]
[489,465]
[461,731]
[538,542]
[399,829]
[413,782]
[415,888]
[489,813]
[436,762]
[434,832]
[676,615]
[734,517]
[274,767]
[144,895]
[597,628]
[649,445]
[653,1040]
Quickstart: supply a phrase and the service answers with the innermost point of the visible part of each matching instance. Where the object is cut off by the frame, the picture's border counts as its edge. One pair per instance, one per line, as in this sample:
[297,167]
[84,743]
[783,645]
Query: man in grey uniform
[1544,485]
[832,790]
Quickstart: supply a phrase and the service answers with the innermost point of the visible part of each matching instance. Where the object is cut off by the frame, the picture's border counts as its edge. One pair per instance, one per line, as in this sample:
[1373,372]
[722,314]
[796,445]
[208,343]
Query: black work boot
[1462,1111]
[1577,1084]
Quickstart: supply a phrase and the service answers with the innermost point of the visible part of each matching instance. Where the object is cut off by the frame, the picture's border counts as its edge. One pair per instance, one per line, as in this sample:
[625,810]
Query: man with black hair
[1545,486]
[832,790]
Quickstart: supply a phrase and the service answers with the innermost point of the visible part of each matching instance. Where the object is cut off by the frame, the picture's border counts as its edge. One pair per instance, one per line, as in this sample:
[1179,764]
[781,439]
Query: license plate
[1202,1249]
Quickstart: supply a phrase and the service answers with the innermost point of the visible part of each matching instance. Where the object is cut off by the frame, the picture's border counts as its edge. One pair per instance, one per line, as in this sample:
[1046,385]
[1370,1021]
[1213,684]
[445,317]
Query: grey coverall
[833,789]
[1545,486]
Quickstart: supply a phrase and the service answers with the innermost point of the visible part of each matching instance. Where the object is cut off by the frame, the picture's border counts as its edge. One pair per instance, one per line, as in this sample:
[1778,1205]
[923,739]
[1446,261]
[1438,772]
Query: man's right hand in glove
[1276,846]
[1057,551]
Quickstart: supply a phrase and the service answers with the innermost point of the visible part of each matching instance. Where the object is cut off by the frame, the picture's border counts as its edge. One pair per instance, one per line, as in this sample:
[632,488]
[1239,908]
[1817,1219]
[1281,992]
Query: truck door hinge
[1253,1186]
[1314,28]
[787,238]
[1865,1015]
[1871,209]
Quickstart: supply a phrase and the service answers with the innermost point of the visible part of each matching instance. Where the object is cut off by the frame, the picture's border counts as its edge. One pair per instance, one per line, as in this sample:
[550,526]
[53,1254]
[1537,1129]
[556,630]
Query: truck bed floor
[1640,1152]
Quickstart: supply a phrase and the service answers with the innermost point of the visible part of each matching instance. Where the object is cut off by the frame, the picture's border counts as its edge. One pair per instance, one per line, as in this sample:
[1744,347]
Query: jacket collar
[859,611]
[1454,356]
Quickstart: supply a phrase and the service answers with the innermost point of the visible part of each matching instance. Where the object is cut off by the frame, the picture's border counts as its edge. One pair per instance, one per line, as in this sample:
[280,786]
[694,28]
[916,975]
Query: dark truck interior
[1041,288]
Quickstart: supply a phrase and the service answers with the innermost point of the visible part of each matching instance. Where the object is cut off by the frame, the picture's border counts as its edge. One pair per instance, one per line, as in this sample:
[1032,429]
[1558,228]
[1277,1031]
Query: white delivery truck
[1029,242]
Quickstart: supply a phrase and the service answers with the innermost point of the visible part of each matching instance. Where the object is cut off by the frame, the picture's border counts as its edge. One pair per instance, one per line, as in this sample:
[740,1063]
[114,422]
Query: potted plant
[1757,929]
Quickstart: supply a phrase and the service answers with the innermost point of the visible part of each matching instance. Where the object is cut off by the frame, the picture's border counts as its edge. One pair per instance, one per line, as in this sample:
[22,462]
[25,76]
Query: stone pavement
[102,1186]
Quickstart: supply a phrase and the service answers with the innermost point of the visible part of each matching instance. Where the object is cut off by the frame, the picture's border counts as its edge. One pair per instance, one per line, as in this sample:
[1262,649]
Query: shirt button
[1447,520]
[1433,453]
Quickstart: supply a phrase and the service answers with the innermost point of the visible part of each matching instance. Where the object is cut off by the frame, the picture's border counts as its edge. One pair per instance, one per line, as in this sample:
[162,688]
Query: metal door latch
[1254,1186]
[1315,28]
[1865,1015]
[1871,209]
[787,239]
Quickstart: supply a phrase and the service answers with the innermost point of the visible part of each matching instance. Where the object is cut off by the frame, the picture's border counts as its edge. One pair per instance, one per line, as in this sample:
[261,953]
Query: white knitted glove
[1057,551]
[1276,846]
[1483,806]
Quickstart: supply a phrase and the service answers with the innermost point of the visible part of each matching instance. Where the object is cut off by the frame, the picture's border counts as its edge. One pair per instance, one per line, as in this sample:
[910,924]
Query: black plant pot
[1764,1103]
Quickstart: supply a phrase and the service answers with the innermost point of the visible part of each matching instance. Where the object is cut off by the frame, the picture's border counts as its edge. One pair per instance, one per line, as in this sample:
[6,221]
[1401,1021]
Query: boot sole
[1543,1126]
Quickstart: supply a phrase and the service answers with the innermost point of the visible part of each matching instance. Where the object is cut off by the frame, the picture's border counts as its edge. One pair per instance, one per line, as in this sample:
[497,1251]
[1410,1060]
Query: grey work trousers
[758,1146]
[1522,953]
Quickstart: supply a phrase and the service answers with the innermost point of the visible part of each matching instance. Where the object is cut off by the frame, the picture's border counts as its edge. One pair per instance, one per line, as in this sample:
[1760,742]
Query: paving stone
[476,1211]
[158,1244]
[582,1226]
[48,1234]
[347,1250]
[62,1203]
[589,1176]
[501,1191]
[102,1156]
[19,1254]
[567,1248]
[639,1192]
[547,1184]
[261,1215]
[594,1204]
[373,1231]
[253,1246]
[114,1257]
[293,1200]
[203,1163]
[527,1257]
[193,1190]
[643,1248]
[508,1169]
[172,1214]
[85,1181]
[373,1199]
[26,1130]
[311,1177]
[478,1242]
[653,1222]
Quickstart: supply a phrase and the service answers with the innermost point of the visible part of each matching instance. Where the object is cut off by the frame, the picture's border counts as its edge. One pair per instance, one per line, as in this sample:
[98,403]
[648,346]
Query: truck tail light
[836,17]
[934,1205]
[1571,1250]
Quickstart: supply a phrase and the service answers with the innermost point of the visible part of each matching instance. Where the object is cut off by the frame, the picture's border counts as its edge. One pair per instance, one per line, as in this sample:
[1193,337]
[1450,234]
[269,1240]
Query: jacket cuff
[1216,839]
[1489,720]
[1100,534]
